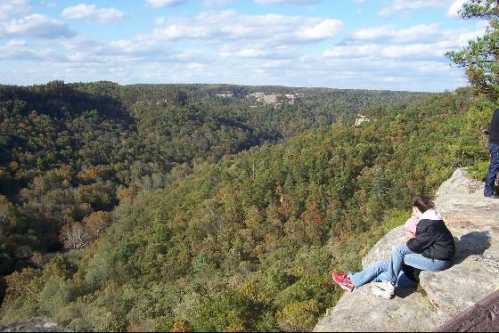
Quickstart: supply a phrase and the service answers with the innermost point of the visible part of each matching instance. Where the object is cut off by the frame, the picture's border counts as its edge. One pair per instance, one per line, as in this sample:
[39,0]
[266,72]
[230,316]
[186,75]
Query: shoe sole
[341,285]
[344,288]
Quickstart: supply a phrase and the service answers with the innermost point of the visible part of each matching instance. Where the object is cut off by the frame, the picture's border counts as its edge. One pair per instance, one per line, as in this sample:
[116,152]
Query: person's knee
[382,266]
[400,250]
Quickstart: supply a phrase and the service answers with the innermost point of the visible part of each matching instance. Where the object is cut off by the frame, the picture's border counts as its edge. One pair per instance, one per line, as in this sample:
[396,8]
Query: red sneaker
[342,280]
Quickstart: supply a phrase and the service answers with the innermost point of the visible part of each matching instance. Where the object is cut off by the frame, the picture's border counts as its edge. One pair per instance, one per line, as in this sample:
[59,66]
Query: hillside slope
[70,152]
[473,220]
[248,243]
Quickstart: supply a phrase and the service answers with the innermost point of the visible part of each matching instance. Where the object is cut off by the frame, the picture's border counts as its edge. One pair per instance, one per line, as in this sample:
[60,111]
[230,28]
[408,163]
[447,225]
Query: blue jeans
[490,187]
[391,271]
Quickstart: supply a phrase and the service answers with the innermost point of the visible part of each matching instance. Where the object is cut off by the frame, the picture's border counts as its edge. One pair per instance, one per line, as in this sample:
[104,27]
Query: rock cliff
[474,221]
[35,325]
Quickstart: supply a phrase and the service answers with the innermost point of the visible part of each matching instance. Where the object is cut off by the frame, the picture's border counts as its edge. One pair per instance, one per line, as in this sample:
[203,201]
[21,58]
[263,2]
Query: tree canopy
[71,152]
[248,242]
[479,58]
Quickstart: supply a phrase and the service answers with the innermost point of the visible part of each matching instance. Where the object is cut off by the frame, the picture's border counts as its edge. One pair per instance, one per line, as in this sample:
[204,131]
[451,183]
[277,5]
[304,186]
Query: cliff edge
[474,222]
[34,325]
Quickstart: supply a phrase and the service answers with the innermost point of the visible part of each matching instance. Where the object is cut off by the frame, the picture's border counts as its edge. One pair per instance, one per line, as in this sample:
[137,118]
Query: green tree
[479,58]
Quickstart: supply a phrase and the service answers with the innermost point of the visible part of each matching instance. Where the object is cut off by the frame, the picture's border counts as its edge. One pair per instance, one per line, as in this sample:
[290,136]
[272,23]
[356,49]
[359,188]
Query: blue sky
[368,44]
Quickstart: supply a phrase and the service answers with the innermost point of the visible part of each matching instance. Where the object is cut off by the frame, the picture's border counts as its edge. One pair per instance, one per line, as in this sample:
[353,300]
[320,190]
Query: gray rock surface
[35,325]
[474,221]
[382,250]
[360,311]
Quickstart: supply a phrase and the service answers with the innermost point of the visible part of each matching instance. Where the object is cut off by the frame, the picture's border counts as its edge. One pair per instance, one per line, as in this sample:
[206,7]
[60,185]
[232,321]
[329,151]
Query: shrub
[298,317]
[181,326]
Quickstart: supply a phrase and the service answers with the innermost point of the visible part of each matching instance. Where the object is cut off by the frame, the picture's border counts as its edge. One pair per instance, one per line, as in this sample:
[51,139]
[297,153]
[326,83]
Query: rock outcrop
[474,221]
[35,325]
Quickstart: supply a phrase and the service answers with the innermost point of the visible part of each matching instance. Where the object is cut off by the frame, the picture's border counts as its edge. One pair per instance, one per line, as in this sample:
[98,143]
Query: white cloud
[17,20]
[16,49]
[12,8]
[232,47]
[292,2]
[320,30]
[306,70]
[428,42]
[390,57]
[164,3]
[410,51]
[403,5]
[419,32]
[91,12]
[20,50]
[456,7]
[36,25]
[223,34]
[217,2]
[230,25]
[256,51]
[245,53]
[171,3]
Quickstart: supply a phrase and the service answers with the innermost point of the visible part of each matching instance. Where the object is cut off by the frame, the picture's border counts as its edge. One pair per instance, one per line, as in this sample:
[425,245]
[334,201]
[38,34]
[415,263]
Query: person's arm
[410,226]
[422,241]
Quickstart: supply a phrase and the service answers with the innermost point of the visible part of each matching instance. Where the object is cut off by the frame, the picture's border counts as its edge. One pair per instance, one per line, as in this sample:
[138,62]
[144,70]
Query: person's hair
[423,203]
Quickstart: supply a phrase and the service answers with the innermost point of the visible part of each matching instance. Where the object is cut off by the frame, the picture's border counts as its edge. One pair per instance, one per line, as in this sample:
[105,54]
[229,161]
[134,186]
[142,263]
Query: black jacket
[433,240]
[494,128]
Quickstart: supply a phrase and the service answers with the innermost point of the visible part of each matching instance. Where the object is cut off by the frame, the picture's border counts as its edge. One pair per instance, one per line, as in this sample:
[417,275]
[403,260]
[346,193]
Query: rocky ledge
[474,221]
[35,325]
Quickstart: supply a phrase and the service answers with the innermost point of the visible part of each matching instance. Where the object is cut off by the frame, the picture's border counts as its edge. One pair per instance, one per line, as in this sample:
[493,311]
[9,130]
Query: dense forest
[71,152]
[247,243]
[214,207]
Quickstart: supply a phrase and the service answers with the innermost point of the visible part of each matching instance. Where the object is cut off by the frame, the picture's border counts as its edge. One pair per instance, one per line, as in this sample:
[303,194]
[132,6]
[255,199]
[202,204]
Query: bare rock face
[474,221]
[35,325]
[382,250]
[363,312]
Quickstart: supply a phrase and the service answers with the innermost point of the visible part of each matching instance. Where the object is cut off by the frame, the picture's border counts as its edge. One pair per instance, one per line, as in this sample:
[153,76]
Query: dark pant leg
[493,170]
[411,273]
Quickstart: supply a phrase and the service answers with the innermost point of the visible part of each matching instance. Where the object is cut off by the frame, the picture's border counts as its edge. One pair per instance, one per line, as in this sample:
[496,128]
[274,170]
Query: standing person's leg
[493,170]
[377,272]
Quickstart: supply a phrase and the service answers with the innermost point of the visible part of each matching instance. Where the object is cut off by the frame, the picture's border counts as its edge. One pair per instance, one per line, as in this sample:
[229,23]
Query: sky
[359,44]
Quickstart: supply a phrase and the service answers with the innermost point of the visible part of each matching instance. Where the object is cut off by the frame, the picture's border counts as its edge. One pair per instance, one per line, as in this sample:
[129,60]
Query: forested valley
[218,207]
[195,207]
[71,153]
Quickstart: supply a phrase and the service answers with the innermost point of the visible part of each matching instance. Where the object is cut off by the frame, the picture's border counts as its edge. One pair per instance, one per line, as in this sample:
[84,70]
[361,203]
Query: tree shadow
[474,243]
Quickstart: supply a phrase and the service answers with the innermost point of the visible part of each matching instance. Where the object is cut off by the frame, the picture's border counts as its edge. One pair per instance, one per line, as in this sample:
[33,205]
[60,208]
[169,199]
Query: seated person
[431,248]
